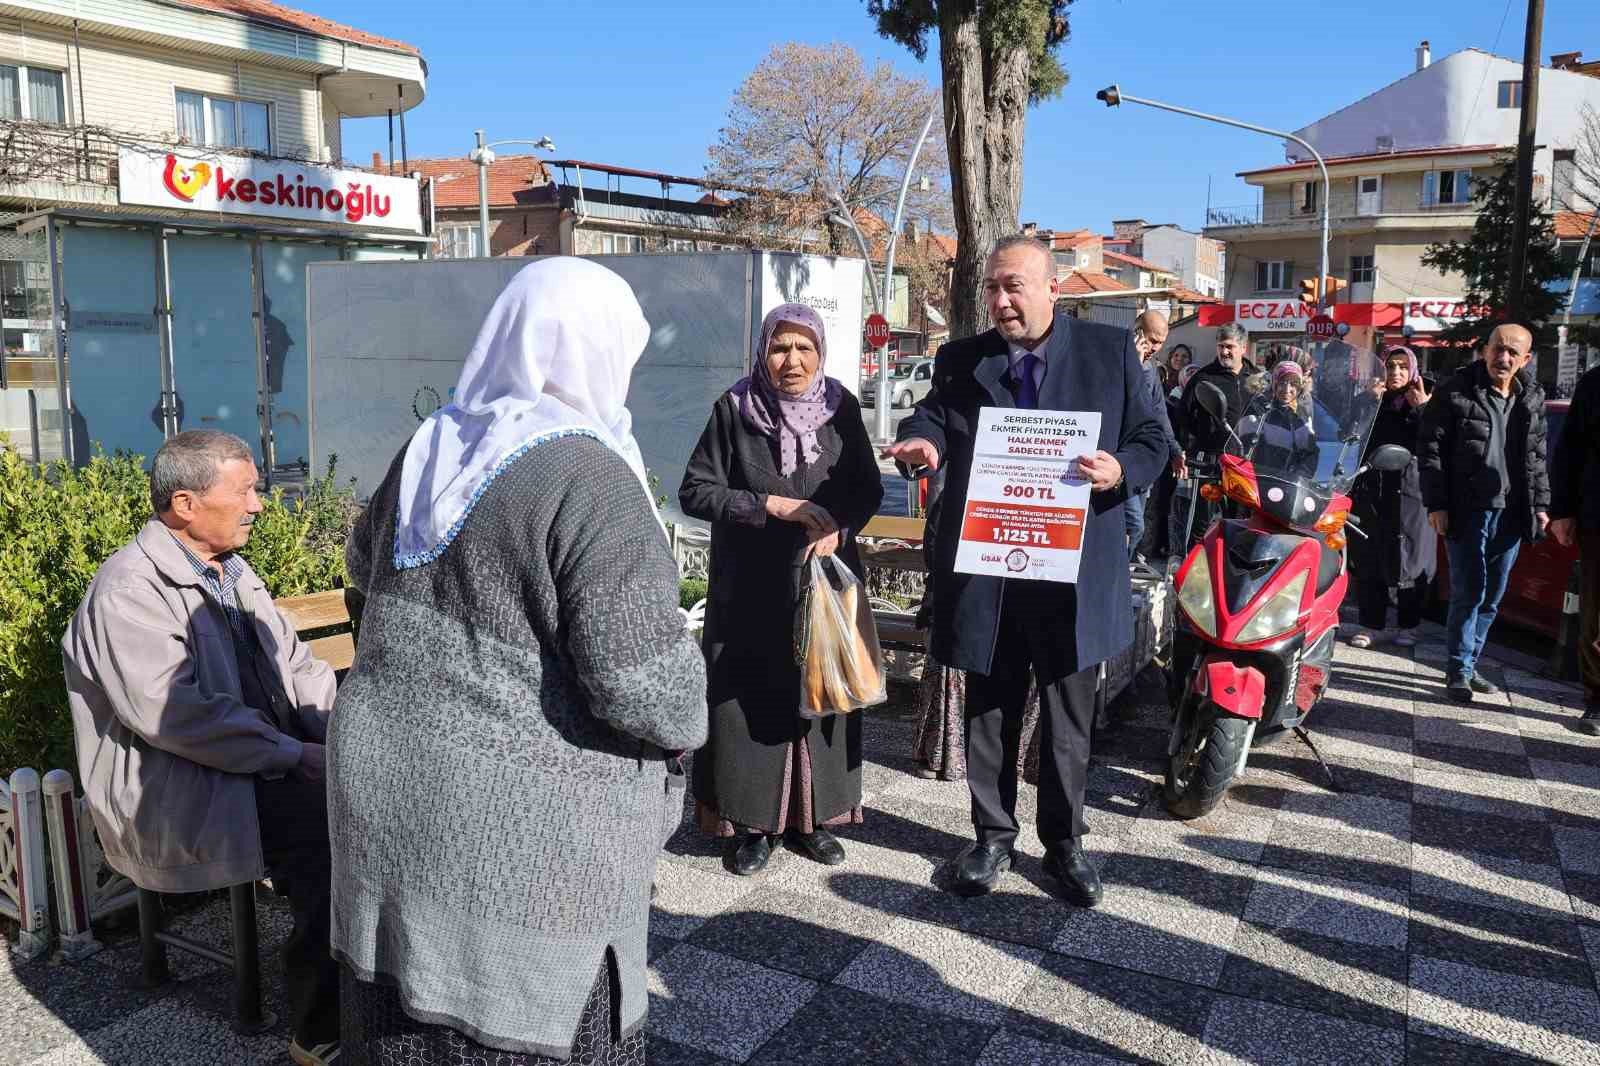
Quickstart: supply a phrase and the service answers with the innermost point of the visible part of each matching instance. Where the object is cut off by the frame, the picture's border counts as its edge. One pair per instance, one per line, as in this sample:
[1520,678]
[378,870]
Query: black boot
[749,854]
[979,867]
[1070,865]
[820,845]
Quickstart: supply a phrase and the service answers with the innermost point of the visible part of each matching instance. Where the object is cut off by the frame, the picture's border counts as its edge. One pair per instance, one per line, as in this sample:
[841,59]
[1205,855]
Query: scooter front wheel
[1206,753]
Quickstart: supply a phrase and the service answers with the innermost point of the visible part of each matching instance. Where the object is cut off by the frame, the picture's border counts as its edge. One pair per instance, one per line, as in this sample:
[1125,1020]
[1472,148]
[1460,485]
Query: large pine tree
[1484,263]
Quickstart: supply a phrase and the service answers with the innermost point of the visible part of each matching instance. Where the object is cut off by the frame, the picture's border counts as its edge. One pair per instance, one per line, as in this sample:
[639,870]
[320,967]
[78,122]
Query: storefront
[185,307]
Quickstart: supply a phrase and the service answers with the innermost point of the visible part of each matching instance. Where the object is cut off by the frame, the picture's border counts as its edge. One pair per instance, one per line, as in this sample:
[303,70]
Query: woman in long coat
[499,778]
[1399,550]
[783,469]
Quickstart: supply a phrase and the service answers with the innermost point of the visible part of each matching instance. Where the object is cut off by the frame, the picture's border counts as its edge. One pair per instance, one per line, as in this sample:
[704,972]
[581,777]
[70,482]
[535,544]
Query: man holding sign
[1044,429]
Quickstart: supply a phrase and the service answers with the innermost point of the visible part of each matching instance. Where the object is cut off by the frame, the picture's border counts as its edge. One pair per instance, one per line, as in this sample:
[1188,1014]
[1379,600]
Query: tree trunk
[985,103]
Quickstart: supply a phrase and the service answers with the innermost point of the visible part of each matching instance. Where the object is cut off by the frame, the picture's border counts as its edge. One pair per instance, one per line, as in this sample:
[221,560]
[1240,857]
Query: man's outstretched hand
[915,453]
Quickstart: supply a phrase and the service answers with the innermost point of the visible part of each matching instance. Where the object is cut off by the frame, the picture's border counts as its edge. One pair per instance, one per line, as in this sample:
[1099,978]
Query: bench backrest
[323,620]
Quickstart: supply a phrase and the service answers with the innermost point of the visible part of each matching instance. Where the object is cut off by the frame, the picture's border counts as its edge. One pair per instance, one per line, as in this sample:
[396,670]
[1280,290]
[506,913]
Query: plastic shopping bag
[836,642]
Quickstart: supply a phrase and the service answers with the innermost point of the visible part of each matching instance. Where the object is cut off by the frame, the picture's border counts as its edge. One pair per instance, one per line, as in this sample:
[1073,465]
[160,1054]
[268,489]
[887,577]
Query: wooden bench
[327,621]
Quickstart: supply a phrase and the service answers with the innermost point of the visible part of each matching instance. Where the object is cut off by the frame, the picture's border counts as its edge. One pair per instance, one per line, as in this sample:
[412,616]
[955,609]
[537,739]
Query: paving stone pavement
[1443,908]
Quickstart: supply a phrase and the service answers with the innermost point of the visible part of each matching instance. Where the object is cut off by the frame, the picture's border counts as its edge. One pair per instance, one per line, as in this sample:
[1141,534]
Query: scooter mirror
[1389,458]
[1212,400]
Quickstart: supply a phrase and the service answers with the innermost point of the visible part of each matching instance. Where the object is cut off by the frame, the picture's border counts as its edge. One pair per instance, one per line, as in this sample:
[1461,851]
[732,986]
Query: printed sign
[241,185]
[1273,316]
[1434,314]
[1027,503]
[111,321]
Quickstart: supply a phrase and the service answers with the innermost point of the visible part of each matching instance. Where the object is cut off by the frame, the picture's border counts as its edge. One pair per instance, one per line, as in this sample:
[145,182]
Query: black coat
[1399,545]
[1090,367]
[1195,428]
[753,684]
[1454,441]
[1575,460]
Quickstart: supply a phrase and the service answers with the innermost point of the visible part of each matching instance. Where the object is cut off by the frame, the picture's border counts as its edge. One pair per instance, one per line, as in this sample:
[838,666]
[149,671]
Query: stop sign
[877,331]
[1321,328]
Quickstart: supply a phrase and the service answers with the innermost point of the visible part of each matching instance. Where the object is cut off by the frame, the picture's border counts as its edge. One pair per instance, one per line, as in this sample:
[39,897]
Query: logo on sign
[184,180]
[1427,315]
[1273,316]
[1017,561]
[353,203]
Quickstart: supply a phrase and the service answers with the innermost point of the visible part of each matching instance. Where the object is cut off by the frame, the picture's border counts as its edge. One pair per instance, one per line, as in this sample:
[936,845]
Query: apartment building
[1194,259]
[1400,163]
[178,162]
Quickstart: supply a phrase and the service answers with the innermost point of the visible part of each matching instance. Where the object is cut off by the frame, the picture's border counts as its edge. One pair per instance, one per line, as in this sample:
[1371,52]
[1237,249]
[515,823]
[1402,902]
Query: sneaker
[1361,639]
[1406,638]
[316,1055]
[1459,690]
[1482,685]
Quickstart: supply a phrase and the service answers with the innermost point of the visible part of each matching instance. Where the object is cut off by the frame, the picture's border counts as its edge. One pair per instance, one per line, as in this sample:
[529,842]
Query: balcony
[1346,214]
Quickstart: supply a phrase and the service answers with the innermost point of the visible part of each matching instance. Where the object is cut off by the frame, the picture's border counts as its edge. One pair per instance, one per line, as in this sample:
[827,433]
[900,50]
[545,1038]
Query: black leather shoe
[1080,882]
[979,867]
[820,845]
[1459,690]
[1590,722]
[1482,685]
[751,854]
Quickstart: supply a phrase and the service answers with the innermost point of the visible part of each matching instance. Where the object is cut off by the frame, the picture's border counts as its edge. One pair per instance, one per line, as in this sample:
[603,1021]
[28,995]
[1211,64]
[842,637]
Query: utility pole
[1525,137]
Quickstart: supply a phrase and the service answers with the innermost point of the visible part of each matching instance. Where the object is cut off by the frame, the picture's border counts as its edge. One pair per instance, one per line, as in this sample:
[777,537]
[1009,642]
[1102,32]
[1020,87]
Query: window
[33,94]
[458,241]
[679,244]
[1274,276]
[222,122]
[1510,94]
[1361,269]
[1307,197]
[1564,180]
[620,244]
[923,372]
[1446,187]
[1568,255]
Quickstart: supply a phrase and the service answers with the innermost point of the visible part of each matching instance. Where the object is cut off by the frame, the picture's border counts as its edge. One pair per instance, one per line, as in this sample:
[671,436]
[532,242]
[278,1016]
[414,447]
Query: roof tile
[289,18]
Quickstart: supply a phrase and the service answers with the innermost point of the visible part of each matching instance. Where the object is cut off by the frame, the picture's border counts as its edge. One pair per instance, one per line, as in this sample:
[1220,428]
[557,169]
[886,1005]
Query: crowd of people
[467,826]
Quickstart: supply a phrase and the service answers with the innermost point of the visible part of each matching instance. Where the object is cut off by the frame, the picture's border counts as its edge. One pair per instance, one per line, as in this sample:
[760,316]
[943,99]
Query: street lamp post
[483,156]
[888,271]
[1114,96]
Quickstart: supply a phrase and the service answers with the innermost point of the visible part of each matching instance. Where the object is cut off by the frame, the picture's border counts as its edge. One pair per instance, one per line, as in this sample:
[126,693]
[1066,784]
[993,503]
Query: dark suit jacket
[1090,367]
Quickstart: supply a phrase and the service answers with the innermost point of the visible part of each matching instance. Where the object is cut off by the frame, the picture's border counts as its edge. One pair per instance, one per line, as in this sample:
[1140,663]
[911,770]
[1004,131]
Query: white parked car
[909,383]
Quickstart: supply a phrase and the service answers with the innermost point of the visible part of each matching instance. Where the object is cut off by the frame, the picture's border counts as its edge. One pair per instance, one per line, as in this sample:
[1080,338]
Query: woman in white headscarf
[498,767]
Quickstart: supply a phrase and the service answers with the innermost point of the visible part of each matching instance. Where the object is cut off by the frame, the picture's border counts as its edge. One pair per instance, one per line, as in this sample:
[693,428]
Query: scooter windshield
[1308,423]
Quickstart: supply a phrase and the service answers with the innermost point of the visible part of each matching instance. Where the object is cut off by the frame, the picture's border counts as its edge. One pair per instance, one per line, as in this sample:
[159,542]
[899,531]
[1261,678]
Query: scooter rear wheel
[1204,758]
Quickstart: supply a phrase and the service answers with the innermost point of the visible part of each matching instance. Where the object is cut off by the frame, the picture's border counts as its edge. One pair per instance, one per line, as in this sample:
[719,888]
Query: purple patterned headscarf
[790,422]
[1398,399]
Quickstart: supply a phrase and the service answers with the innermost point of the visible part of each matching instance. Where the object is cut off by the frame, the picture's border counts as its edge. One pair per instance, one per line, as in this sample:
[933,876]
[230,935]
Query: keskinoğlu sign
[240,185]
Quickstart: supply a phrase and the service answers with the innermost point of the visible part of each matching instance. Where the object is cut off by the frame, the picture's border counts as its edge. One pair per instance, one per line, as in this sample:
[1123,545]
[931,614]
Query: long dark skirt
[939,746]
[376,1031]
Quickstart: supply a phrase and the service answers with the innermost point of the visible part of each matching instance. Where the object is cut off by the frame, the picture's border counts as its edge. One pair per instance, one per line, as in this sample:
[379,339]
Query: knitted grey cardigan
[496,784]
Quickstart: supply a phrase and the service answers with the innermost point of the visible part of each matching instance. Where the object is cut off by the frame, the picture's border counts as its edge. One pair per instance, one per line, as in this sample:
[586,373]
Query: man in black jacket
[998,629]
[1196,430]
[1149,337]
[1481,459]
[1575,519]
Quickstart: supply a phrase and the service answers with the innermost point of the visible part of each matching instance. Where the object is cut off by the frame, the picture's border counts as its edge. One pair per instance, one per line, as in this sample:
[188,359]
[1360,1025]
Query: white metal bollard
[27,858]
[73,901]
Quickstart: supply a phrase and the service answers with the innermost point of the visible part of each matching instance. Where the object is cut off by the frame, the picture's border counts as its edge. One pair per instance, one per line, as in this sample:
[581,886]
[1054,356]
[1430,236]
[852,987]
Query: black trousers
[994,709]
[294,841]
[1372,598]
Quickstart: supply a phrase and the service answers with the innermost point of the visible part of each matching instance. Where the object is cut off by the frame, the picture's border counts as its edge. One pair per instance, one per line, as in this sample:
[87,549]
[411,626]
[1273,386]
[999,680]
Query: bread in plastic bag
[836,642]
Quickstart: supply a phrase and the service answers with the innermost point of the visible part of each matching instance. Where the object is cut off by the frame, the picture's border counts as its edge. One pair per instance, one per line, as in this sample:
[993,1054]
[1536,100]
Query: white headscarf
[552,359]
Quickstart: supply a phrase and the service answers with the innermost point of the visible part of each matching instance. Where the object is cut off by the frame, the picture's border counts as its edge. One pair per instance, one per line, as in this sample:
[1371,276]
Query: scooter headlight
[1196,597]
[1278,615]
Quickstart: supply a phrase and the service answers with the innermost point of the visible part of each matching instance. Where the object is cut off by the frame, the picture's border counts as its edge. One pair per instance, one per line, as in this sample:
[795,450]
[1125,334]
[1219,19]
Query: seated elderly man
[199,717]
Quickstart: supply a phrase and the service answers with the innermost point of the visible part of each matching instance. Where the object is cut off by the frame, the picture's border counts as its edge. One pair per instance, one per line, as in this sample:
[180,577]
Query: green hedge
[57,525]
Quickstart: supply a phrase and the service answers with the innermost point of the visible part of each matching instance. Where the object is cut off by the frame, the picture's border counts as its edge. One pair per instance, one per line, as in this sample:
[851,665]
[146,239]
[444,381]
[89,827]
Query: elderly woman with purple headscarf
[1399,550]
[784,470]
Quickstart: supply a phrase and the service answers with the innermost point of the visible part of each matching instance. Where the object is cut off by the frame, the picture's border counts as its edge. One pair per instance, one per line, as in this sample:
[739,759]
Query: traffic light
[1310,291]
[1331,286]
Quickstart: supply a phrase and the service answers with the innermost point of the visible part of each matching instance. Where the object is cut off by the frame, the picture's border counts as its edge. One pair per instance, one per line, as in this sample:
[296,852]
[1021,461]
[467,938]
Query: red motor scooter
[1259,595]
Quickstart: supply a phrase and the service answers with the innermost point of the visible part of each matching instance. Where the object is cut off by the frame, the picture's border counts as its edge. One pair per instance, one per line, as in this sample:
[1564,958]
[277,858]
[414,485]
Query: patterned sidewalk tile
[1524,1015]
[1153,932]
[1368,747]
[843,1027]
[1505,797]
[686,897]
[943,970]
[1346,812]
[1489,881]
[809,934]
[1346,910]
[1104,1010]
[1458,830]
[1568,746]
[1243,1032]
[1231,831]
[1010,1049]
[1496,736]
[720,1004]
[1336,977]
[1327,852]
[1549,948]
[1578,849]
[1570,775]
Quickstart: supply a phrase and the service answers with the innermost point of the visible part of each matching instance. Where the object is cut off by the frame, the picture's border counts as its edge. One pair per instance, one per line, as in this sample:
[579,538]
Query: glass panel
[213,336]
[114,353]
[192,117]
[284,300]
[47,96]
[10,93]
[1430,188]
[1463,186]
[224,132]
[254,130]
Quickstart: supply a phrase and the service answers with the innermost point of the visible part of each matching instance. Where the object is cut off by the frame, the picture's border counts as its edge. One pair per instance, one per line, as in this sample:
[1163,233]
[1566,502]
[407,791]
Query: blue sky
[647,84]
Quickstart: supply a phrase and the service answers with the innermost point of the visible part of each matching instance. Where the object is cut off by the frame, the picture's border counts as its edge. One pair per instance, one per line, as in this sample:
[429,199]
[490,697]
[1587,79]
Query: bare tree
[812,121]
[996,58]
[1583,192]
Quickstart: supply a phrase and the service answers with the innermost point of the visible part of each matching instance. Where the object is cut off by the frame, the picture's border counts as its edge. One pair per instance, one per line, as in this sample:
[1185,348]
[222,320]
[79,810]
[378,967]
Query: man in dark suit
[996,629]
